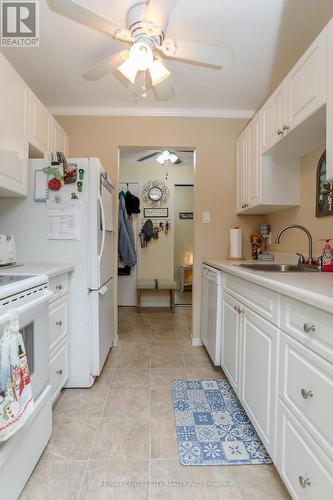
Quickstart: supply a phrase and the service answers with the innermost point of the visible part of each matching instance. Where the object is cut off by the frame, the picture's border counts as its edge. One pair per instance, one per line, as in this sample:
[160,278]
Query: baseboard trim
[196,342]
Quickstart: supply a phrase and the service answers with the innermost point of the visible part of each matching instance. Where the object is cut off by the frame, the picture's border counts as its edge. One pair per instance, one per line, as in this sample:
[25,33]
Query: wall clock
[155,193]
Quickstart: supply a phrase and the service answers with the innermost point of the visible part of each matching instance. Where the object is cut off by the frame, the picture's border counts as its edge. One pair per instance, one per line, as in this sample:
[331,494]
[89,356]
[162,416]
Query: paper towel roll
[235,243]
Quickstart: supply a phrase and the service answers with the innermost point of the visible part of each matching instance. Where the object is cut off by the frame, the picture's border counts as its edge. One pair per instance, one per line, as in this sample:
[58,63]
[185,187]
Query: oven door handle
[26,307]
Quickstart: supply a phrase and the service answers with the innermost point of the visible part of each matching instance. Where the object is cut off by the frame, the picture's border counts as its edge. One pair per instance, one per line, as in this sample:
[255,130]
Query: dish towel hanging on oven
[16,399]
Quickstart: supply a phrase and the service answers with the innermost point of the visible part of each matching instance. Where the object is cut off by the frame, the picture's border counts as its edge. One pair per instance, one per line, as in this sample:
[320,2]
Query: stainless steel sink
[279,268]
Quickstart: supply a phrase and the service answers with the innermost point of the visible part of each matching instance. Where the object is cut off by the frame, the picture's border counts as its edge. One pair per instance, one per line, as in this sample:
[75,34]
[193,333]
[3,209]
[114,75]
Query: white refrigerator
[91,294]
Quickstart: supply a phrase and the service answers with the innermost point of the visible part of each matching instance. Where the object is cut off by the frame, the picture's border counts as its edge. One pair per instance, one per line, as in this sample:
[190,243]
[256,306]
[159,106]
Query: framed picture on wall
[186,215]
[151,213]
[324,194]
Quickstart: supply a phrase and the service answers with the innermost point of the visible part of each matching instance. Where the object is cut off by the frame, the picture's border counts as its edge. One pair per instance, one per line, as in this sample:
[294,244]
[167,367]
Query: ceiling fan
[145,32]
[165,155]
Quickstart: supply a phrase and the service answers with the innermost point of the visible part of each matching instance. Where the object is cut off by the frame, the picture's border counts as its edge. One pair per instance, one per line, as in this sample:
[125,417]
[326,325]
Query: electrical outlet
[206,217]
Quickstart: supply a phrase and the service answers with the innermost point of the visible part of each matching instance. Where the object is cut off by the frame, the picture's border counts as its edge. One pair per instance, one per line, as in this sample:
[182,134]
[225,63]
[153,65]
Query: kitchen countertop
[315,289]
[51,270]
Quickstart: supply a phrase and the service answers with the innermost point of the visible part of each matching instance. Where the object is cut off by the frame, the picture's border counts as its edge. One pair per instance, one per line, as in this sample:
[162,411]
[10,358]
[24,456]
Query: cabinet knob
[285,128]
[304,482]
[280,132]
[59,323]
[236,308]
[306,394]
[58,287]
[308,327]
[59,372]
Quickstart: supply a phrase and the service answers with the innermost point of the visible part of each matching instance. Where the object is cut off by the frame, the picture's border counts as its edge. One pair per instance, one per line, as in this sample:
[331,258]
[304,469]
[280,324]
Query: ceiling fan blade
[196,53]
[88,17]
[148,156]
[107,66]
[164,90]
[158,12]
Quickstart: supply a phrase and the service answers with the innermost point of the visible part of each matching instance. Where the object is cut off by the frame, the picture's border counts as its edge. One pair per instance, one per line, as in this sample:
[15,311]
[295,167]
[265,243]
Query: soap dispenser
[327,256]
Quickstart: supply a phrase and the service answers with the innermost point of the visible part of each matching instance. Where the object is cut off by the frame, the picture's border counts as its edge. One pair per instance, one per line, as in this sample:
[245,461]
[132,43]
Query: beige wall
[320,227]
[183,246]
[214,141]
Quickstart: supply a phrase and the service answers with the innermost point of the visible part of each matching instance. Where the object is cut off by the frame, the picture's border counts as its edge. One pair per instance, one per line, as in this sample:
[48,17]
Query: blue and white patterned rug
[212,426]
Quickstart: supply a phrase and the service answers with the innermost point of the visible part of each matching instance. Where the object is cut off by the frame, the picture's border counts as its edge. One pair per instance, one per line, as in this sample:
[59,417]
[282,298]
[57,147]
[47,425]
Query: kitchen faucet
[306,231]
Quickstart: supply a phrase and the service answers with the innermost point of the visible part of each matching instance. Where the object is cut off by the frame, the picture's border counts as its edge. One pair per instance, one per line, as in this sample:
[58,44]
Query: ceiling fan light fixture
[142,55]
[167,156]
[128,69]
[158,72]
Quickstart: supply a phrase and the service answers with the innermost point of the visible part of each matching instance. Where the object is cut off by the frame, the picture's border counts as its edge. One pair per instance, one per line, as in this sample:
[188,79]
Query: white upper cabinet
[59,138]
[306,84]
[14,97]
[25,125]
[290,124]
[40,133]
[242,169]
[329,105]
[274,118]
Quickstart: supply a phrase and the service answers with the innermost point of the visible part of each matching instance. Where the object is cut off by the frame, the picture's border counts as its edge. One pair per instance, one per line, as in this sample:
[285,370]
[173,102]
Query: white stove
[25,297]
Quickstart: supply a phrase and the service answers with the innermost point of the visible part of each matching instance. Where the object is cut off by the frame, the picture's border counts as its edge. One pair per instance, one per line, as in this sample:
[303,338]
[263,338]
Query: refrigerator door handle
[103,228]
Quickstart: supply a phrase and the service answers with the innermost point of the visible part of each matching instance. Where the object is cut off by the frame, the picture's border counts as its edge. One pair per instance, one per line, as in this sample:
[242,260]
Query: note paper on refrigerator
[63,219]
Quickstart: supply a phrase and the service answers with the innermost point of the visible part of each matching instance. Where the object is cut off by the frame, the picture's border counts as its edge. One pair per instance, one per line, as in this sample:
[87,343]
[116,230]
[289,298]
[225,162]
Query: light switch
[206,217]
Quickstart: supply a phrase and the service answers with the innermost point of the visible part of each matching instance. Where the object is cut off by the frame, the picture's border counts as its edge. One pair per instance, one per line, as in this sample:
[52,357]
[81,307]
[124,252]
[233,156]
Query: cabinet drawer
[59,368]
[261,300]
[309,325]
[305,469]
[59,286]
[306,386]
[58,320]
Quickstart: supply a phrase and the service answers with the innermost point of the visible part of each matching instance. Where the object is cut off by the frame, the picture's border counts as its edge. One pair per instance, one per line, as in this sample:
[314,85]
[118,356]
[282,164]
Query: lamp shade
[158,72]
[128,69]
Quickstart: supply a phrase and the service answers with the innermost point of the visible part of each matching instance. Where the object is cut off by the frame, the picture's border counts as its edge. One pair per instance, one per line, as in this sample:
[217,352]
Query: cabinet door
[259,359]
[329,104]
[242,172]
[230,348]
[307,83]
[40,125]
[60,138]
[255,160]
[13,125]
[273,118]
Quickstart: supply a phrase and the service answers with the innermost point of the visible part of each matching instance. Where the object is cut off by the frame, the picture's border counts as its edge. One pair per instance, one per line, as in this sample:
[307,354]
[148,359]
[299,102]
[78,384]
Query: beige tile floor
[109,441]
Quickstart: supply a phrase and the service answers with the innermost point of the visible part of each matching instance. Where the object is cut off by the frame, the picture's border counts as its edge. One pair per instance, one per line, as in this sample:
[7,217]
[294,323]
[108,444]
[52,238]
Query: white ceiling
[266,37]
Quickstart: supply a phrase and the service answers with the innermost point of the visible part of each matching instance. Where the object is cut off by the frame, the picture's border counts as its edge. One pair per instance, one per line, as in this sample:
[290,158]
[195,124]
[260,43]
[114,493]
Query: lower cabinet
[259,375]
[249,358]
[59,335]
[304,467]
[284,383]
[230,346]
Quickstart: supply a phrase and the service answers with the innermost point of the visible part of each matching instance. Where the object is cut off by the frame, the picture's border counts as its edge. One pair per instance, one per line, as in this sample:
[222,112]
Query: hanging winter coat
[126,245]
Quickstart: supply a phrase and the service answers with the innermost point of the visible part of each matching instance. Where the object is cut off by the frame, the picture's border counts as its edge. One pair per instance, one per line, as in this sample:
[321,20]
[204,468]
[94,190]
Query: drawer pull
[59,372]
[59,323]
[58,287]
[304,482]
[308,327]
[306,394]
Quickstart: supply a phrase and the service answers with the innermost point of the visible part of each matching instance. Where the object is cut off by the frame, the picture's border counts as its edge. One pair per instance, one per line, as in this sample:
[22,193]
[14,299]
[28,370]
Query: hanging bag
[16,399]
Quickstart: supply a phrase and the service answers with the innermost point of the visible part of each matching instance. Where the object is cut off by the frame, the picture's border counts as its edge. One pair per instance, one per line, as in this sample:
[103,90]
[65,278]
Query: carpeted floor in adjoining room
[123,429]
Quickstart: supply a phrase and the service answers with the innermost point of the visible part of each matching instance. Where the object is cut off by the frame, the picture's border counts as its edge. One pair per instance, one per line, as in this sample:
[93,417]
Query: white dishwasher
[211,312]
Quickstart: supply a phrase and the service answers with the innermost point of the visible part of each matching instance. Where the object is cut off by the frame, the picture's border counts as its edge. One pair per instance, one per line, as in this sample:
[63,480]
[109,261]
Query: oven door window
[29,344]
